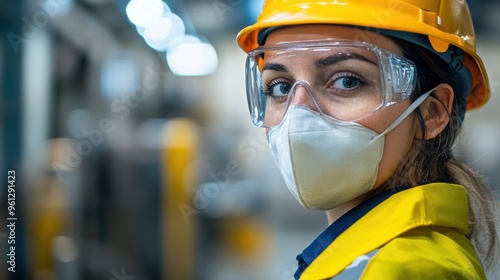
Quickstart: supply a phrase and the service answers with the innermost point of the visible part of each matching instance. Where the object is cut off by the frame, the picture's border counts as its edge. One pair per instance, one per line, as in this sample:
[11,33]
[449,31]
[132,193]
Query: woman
[362,101]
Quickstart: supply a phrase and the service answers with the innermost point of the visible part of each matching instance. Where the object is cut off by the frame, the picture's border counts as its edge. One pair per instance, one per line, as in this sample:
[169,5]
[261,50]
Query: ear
[436,111]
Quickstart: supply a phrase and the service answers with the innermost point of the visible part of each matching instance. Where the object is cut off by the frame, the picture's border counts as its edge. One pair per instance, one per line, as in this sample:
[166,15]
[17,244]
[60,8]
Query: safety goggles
[346,80]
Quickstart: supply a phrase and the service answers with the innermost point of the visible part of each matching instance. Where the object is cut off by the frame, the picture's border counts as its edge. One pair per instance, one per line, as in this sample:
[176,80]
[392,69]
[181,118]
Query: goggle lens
[344,80]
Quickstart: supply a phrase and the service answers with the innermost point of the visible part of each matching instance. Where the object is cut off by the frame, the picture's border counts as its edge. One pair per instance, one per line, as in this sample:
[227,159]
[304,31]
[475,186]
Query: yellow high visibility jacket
[418,233]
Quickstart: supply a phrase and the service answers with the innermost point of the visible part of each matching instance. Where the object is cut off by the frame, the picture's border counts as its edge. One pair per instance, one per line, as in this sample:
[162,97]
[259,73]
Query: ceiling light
[177,30]
[190,58]
[144,12]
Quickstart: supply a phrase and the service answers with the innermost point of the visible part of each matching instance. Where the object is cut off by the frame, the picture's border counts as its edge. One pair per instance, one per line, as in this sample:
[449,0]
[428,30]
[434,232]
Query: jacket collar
[436,204]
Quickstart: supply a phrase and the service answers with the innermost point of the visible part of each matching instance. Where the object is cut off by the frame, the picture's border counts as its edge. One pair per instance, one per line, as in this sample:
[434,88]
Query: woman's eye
[279,89]
[347,83]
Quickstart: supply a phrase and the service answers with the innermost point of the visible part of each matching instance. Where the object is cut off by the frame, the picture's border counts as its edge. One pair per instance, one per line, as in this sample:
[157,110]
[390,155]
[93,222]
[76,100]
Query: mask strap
[406,113]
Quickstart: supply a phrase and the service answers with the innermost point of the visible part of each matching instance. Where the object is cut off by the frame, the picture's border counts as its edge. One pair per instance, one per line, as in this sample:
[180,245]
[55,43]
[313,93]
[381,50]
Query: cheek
[396,147]
[397,143]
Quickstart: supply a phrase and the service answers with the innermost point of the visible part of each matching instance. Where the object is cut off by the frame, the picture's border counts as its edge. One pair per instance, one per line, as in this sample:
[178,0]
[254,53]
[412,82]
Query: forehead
[299,33]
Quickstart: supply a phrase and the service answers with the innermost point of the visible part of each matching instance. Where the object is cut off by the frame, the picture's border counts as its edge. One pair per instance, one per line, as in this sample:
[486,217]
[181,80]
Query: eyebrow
[275,67]
[320,63]
[336,58]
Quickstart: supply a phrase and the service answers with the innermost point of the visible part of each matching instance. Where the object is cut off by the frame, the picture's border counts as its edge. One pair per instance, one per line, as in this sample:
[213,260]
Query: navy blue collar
[338,227]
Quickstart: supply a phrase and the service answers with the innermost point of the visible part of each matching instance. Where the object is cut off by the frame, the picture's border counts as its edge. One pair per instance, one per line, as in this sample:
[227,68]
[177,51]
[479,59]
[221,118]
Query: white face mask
[325,162]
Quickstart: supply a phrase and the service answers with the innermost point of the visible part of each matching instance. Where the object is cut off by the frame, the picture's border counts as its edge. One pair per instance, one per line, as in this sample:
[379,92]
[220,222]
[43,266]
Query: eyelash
[267,86]
[338,76]
[333,79]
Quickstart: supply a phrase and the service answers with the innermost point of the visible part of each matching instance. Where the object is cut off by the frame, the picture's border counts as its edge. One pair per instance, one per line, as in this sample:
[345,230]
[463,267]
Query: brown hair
[432,160]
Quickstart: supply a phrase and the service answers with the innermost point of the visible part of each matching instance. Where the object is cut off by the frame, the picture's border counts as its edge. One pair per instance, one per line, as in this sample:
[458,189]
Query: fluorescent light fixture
[161,27]
[157,23]
[177,30]
[144,12]
[159,30]
[190,58]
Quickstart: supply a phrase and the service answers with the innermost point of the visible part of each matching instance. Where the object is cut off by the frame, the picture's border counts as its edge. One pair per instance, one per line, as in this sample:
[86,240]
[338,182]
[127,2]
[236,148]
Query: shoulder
[426,253]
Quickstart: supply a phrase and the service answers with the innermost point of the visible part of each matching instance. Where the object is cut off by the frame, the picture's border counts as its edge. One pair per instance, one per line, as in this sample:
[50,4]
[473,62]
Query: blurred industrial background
[133,152]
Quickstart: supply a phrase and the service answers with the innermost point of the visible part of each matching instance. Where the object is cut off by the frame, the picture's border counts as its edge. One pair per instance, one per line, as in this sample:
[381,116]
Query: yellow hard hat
[444,22]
